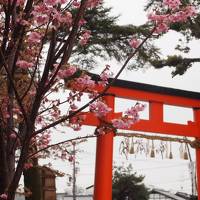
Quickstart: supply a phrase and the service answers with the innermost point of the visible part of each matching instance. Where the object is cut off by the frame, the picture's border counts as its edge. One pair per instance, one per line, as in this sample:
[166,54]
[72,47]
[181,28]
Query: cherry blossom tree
[34,65]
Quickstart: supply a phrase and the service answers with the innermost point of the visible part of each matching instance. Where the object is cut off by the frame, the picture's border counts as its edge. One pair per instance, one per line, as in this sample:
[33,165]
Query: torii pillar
[104,160]
[197,119]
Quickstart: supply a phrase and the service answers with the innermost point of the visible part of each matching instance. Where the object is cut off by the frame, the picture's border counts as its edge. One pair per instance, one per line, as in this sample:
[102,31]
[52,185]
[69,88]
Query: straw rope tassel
[181,150]
[152,154]
[185,155]
[170,153]
[132,150]
[147,148]
[167,150]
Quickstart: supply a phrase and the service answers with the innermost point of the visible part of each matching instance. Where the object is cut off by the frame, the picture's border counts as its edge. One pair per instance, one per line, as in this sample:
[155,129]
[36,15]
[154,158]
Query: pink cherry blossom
[27,165]
[100,109]
[34,37]
[24,22]
[105,75]
[101,131]
[62,1]
[63,155]
[163,21]
[93,3]
[162,28]
[4,196]
[119,123]
[84,82]
[67,18]
[130,118]
[76,4]
[24,64]
[82,22]
[71,158]
[172,4]
[85,37]
[67,72]
[134,43]
[42,19]
[13,136]
[51,2]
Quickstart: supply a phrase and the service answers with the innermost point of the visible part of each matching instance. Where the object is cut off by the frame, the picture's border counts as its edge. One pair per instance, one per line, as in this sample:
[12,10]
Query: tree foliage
[109,40]
[189,31]
[128,185]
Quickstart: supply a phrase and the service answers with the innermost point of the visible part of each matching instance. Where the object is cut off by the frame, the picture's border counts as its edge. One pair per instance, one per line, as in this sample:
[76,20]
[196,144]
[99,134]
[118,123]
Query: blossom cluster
[28,165]
[69,71]
[178,13]
[174,12]
[99,108]
[83,83]
[134,43]
[76,122]
[172,4]
[3,196]
[131,117]
[105,75]
[85,37]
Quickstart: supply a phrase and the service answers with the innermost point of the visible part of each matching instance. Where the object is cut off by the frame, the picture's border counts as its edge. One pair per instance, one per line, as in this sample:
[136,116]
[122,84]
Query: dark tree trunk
[18,172]
[7,162]
[4,180]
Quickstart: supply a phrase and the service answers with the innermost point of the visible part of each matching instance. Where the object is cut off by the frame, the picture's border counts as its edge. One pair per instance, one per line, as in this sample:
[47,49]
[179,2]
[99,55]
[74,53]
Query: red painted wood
[156,111]
[197,120]
[198,171]
[104,159]
[154,97]
[103,171]
[190,129]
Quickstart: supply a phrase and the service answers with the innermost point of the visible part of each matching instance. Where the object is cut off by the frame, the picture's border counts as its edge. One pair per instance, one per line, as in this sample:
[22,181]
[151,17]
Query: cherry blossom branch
[15,90]
[36,64]
[66,49]
[99,95]
[41,86]
[49,108]
[68,46]
[53,145]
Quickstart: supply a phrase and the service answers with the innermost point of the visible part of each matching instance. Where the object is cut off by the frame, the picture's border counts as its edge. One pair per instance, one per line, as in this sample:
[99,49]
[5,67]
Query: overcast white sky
[166,174]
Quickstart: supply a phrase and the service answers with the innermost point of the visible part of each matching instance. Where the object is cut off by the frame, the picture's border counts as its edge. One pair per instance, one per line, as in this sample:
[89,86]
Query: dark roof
[176,196]
[187,196]
[166,194]
[156,89]
[150,88]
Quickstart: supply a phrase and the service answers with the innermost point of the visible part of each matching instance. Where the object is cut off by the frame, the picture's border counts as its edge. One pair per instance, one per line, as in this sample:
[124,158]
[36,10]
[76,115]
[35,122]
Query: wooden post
[104,159]
[198,171]
[103,172]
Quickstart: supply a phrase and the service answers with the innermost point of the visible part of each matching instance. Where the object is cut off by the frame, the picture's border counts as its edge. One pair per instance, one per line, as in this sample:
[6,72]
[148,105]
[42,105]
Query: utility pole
[192,172]
[74,172]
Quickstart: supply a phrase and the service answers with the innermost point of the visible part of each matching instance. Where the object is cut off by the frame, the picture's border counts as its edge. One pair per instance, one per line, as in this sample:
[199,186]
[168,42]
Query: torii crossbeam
[157,97]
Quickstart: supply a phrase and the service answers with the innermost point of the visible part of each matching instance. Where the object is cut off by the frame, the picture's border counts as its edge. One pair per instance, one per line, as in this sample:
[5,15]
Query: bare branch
[53,145]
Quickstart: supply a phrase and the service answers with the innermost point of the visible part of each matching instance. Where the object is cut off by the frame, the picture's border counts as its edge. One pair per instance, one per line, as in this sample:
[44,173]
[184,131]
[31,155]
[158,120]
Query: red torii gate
[157,97]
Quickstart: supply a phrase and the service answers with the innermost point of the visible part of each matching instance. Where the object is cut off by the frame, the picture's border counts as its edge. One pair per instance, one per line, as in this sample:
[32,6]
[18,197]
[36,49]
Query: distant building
[155,194]
[159,194]
[61,196]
